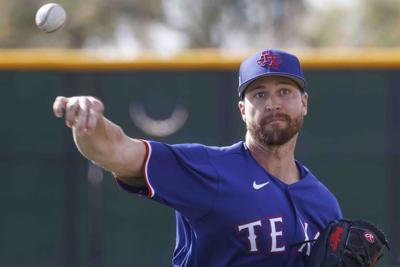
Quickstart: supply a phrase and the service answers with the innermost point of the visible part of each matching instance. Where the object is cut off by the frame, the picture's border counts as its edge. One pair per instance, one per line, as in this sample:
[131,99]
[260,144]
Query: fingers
[72,111]
[59,106]
[96,109]
[81,113]
[91,121]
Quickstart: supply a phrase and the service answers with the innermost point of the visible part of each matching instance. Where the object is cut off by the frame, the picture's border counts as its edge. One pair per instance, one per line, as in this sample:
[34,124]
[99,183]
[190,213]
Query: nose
[272,104]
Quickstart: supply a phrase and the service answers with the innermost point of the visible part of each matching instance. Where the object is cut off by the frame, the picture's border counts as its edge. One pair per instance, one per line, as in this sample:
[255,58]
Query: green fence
[59,210]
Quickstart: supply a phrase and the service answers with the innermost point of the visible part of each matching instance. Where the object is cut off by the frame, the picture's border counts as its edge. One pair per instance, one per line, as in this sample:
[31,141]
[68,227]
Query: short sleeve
[179,176]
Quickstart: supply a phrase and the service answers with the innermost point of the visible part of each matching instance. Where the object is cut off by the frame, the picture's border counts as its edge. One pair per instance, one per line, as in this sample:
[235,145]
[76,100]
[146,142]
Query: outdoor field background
[146,58]
[59,210]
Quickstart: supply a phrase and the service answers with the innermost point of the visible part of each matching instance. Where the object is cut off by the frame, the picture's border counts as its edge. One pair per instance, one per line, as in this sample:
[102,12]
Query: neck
[277,160]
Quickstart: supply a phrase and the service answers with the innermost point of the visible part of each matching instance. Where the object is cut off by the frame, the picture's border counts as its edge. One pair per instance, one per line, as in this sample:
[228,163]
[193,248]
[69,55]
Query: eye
[284,91]
[259,95]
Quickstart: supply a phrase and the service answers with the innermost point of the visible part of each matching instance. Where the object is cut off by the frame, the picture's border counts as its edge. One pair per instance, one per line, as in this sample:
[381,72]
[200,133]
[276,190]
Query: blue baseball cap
[270,62]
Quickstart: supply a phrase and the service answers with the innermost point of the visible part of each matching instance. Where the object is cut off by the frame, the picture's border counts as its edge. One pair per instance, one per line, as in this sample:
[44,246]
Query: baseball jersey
[230,211]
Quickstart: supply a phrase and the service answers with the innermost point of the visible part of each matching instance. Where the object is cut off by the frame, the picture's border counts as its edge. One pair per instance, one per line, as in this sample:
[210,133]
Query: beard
[275,135]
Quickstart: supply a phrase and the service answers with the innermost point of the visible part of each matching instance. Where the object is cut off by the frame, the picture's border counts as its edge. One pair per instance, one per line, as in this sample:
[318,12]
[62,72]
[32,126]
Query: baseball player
[248,204]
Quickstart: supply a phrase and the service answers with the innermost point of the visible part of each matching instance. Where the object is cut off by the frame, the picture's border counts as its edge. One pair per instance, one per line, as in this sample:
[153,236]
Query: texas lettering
[275,237]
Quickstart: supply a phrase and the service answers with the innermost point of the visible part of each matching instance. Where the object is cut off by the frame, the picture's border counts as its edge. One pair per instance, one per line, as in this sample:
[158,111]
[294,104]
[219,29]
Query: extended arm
[100,140]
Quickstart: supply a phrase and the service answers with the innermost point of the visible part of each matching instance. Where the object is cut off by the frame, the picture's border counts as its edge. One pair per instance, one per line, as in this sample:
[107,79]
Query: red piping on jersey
[150,190]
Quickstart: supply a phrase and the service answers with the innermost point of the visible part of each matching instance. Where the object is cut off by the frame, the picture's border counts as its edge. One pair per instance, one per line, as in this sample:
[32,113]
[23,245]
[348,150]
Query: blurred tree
[366,23]
[237,23]
[379,23]
[201,23]
[326,28]
[84,19]
[168,25]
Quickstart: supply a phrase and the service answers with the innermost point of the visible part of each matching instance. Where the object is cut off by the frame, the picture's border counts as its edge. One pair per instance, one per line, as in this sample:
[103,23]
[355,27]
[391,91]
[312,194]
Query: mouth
[276,118]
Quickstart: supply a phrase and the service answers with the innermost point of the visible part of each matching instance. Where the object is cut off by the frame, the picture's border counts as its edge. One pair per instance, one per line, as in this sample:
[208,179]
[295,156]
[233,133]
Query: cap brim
[300,82]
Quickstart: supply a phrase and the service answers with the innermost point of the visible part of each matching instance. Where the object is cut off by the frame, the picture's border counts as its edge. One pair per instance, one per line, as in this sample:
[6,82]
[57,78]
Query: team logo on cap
[268,59]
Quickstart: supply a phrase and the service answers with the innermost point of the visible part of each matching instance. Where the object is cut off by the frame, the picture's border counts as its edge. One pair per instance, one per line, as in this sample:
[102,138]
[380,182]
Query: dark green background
[52,216]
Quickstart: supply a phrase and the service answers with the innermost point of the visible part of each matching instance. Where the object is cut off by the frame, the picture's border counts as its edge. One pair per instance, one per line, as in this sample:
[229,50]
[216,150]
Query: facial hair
[274,135]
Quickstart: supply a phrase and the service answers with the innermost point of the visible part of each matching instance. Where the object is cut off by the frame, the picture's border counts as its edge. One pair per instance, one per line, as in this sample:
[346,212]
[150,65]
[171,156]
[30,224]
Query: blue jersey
[230,211]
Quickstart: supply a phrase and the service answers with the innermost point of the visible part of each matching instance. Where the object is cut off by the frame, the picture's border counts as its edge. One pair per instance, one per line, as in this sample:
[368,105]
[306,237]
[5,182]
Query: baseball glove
[348,243]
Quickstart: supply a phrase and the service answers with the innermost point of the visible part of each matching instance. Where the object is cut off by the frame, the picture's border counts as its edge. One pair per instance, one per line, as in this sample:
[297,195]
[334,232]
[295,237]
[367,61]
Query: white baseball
[50,17]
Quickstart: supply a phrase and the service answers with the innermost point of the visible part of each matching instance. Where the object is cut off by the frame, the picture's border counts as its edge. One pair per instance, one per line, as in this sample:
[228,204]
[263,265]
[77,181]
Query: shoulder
[314,191]
[195,150]
[322,189]
[225,150]
[322,192]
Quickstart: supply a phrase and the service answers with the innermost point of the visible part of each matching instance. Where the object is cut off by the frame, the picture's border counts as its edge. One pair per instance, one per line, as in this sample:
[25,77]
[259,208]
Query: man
[250,204]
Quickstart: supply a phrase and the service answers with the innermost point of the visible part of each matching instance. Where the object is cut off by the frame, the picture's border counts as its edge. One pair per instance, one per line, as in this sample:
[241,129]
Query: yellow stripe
[51,59]
[348,59]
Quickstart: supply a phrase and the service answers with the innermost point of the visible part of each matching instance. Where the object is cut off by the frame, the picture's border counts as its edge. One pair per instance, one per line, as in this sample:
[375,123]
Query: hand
[81,113]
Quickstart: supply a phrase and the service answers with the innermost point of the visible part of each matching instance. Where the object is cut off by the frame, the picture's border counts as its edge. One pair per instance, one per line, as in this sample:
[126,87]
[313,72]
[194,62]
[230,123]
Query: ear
[242,110]
[304,101]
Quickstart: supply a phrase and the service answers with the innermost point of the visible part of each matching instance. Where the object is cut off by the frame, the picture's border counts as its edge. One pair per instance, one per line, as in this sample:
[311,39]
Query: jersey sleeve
[179,176]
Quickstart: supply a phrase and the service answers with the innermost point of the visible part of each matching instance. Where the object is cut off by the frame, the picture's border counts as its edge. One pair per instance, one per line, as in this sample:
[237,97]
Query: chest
[264,215]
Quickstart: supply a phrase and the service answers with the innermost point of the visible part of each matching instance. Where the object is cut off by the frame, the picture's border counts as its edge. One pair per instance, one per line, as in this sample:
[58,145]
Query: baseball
[50,17]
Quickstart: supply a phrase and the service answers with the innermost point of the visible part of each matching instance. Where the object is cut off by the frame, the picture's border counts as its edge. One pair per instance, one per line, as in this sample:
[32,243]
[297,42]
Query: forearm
[101,145]
[110,148]
[100,140]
